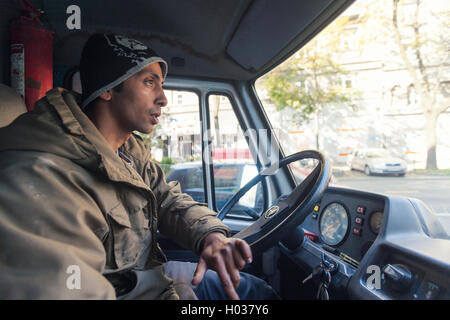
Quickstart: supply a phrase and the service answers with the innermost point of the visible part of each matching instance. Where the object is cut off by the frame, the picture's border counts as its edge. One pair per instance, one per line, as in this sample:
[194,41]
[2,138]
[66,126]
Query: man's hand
[227,256]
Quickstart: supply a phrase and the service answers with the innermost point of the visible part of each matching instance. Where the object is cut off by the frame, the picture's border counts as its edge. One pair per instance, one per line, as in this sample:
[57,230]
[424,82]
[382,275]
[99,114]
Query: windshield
[375,83]
[378,153]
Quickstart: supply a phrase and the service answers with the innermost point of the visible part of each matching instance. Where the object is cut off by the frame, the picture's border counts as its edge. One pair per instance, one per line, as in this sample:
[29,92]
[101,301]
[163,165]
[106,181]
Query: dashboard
[347,224]
[368,235]
[364,232]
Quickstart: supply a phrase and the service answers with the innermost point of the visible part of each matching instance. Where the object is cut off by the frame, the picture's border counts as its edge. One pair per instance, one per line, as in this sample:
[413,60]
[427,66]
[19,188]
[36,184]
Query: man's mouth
[154,118]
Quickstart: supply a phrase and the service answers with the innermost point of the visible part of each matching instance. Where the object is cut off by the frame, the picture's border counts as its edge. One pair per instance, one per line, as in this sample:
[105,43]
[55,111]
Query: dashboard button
[311,236]
[357,231]
[361,210]
[359,220]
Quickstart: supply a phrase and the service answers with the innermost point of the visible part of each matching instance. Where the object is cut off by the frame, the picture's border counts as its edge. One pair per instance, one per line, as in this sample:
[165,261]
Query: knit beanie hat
[107,60]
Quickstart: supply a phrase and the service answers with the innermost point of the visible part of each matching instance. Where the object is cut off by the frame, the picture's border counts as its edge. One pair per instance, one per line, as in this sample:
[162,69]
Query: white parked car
[378,161]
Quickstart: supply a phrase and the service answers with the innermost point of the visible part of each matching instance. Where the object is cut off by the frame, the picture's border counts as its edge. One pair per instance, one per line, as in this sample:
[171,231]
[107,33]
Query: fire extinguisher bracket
[31,59]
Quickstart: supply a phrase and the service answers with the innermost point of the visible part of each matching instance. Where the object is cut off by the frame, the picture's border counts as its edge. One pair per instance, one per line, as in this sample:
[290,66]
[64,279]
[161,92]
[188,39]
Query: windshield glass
[375,83]
[378,153]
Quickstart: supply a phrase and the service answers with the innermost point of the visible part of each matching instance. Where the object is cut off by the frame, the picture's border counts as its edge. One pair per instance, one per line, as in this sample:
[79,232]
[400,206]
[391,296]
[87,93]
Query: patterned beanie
[107,60]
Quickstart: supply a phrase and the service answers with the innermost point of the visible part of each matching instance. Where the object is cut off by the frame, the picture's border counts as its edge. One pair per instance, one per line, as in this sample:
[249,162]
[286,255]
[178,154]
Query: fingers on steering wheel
[241,254]
[245,250]
[239,261]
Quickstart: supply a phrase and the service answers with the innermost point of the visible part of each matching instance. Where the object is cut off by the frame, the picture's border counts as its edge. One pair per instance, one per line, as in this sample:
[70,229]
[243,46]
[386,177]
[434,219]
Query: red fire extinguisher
[31,56]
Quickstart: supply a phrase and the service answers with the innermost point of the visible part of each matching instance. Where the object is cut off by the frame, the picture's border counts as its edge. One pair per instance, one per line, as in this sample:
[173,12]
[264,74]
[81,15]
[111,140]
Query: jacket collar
[99,155]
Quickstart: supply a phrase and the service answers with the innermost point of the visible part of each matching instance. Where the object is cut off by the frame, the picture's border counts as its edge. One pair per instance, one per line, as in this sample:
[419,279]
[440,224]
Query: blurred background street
[434,190]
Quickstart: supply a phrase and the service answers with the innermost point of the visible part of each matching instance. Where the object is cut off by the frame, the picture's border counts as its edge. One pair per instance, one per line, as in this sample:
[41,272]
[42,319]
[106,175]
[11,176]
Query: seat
[11,105]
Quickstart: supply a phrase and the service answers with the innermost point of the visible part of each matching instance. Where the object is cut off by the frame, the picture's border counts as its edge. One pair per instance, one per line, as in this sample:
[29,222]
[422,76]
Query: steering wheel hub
[272,210]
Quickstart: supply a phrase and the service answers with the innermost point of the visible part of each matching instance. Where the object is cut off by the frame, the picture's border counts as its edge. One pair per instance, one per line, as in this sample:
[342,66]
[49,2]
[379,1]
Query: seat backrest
[11,105]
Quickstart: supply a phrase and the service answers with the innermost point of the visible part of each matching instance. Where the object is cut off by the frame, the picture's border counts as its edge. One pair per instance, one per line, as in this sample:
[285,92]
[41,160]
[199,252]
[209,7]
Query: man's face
[138,105]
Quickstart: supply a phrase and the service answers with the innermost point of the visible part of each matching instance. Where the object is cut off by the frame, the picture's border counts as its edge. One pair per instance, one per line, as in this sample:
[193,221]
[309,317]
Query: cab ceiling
[224,39]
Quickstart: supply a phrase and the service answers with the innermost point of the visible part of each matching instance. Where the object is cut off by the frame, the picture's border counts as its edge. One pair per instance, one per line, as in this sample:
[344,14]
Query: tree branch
[402,49]
[416,28]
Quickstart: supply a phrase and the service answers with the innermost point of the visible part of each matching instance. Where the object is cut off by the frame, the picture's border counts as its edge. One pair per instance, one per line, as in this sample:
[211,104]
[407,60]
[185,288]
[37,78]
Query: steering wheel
[282,218]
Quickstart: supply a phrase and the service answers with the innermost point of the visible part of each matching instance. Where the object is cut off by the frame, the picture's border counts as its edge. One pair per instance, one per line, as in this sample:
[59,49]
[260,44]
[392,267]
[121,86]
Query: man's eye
[149,82]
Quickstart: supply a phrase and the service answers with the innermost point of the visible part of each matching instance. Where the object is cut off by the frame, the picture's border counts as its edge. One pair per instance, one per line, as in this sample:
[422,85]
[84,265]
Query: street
[433,190]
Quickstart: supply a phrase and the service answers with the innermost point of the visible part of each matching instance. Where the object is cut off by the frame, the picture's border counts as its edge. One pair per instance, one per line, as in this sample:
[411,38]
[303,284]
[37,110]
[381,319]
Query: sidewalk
[344,172]
[442,172]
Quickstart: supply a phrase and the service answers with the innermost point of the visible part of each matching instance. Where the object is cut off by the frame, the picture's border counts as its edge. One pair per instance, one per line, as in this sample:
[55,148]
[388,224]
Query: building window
[412,97]
[179,98]
[347,83]
[395,96]
[445,88]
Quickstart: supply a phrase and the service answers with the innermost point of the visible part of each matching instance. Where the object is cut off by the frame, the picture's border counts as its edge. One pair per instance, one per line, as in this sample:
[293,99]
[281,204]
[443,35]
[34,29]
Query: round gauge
[334,223]
[376,220]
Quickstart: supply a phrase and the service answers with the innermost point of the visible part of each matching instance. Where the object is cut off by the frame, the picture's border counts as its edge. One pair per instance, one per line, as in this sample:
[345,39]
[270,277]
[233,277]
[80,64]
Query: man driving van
[81,201]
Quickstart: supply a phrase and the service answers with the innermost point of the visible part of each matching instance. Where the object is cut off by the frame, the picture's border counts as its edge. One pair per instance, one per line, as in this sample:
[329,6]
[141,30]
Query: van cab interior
[371,245]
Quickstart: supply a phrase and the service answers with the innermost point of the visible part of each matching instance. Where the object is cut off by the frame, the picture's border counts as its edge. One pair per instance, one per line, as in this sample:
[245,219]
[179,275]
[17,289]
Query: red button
[359,220]
[357,231]
[311,236]
[360,209]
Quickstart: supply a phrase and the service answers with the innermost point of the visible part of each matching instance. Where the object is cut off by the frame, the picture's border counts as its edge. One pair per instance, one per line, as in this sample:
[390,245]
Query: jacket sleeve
[181,218]
[50,233]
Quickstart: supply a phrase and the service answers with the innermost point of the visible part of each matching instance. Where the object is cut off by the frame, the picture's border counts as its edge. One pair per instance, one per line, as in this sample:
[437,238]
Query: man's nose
[161,100]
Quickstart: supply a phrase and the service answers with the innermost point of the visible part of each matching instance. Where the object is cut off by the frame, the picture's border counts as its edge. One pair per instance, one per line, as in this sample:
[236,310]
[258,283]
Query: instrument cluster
[347,222]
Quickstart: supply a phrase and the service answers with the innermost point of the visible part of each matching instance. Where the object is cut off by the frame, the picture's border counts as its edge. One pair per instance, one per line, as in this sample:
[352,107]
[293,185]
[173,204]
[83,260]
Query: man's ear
[106,95]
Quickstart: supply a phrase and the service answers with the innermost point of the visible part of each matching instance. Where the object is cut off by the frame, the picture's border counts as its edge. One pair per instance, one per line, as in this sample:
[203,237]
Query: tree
[312,81]
[215,113]
[410,36]
[417,50]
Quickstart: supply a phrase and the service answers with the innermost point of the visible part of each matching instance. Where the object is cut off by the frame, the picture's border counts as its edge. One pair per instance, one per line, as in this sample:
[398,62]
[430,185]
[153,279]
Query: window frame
[203,89]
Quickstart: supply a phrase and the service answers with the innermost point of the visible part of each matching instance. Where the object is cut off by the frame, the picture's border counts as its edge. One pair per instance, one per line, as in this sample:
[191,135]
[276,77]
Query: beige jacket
[70,206]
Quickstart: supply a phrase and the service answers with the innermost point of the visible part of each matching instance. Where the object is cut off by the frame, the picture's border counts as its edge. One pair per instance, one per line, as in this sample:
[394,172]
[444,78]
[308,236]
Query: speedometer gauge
[334,224]
[375,222]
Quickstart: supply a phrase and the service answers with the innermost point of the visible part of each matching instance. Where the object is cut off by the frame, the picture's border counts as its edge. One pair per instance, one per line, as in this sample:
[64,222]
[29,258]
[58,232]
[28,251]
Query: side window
[176,142]
[177,146]
[232,161]
[253,198]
